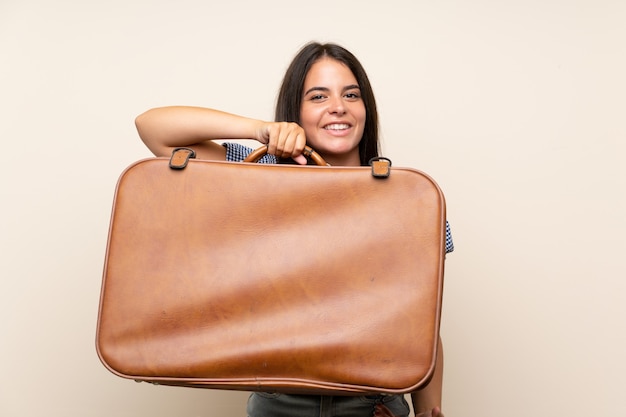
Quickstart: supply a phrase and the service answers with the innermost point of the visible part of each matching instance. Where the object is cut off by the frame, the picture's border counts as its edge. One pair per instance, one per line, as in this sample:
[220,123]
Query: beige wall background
[516,108]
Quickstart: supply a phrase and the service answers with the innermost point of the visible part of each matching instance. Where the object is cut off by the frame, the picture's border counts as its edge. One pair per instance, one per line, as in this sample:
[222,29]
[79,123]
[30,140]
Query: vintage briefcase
[301,279]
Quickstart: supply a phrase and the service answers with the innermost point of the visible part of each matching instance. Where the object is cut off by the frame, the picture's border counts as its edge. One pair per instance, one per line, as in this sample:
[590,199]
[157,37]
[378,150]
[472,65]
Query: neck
[347,160]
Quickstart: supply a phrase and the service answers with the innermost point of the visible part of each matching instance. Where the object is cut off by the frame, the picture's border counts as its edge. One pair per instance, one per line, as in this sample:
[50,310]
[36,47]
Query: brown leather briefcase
[301,279]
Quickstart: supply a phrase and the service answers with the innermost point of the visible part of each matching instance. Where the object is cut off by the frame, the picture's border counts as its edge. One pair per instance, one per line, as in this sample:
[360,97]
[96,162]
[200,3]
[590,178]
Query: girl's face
[333,113]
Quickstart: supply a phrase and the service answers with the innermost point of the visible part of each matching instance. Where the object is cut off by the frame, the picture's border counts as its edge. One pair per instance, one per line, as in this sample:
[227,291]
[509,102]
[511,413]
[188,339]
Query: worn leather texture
[282,278]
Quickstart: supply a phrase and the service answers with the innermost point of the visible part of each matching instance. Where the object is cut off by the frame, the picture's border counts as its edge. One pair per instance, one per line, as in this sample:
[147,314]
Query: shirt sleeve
[449,242]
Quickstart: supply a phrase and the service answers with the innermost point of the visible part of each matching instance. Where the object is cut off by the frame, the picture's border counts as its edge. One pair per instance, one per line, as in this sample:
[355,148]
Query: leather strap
[381,167]
[260,152]
[180,157]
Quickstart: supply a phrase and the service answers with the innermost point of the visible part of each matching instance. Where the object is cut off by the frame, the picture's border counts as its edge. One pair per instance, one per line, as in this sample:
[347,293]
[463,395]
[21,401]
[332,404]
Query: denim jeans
[262,404]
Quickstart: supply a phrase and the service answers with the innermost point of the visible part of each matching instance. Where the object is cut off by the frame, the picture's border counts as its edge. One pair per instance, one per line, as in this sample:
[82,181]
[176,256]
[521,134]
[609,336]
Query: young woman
[327,103]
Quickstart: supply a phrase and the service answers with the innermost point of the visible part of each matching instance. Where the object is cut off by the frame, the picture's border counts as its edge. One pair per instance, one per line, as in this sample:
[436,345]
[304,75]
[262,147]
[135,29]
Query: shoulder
[236,152]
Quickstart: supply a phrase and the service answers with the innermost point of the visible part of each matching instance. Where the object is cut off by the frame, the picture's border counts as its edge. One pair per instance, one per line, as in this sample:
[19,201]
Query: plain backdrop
[516,108]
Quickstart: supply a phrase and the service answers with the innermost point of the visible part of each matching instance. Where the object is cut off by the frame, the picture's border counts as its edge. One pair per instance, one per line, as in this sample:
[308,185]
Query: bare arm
[427,401]
[165,128]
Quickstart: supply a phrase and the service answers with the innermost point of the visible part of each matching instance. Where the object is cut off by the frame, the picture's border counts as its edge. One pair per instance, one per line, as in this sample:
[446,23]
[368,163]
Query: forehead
[328,72]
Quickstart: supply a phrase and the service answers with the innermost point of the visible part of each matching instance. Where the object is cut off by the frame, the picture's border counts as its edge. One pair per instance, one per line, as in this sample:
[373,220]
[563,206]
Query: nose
[336,106]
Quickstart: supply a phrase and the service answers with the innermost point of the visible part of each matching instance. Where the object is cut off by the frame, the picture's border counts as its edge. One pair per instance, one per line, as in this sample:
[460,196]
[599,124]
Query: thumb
[300,159]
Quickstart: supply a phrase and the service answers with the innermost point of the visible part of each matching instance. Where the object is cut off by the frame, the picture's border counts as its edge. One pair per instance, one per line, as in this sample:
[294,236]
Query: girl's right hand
[284,140]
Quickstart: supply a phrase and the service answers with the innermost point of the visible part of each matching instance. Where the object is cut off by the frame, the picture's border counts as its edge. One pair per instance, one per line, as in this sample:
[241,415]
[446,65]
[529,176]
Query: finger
[290,140]
[381,410]
[287,141]
[281,137]
[300,159]
[295,146]
[435,412]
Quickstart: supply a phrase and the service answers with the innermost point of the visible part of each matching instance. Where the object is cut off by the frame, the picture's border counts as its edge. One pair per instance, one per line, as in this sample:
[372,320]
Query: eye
[353,95]
[317,97]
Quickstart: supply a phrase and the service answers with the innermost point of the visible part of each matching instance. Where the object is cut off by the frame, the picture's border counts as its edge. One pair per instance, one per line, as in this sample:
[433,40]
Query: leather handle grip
[259,153]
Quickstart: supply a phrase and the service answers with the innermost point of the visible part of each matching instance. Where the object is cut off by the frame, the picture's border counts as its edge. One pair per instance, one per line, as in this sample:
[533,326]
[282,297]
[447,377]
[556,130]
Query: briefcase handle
[259,153]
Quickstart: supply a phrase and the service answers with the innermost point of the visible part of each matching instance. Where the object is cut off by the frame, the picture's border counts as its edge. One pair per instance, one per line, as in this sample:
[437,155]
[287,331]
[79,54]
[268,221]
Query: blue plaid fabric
[449,242]
[236,152]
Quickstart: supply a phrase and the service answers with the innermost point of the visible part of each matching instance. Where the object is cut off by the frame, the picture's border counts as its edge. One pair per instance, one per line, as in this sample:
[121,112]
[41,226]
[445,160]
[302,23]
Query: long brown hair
[289,98]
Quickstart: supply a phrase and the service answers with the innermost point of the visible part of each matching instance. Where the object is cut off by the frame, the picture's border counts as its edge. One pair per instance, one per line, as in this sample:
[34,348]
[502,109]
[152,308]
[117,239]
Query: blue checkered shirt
[236,152]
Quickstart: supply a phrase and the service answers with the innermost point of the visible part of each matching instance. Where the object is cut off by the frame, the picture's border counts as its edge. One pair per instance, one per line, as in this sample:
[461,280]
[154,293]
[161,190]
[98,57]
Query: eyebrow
[326,89]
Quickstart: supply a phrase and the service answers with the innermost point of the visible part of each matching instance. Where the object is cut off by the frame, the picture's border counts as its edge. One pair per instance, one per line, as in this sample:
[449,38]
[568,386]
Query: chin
[343,154]
[336,147]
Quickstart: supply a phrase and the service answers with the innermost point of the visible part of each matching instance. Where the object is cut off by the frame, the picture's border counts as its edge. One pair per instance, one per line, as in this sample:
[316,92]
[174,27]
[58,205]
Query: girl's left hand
[382,411]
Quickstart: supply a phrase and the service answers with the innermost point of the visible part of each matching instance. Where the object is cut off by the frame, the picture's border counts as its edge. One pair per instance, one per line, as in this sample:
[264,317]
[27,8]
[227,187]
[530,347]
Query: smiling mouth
[337,126]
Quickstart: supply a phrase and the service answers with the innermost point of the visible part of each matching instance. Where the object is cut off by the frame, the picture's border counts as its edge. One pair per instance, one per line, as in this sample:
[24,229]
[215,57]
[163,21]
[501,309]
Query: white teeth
[337,126]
